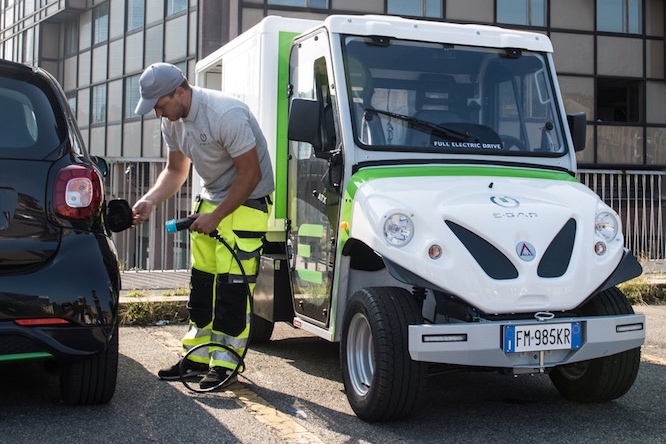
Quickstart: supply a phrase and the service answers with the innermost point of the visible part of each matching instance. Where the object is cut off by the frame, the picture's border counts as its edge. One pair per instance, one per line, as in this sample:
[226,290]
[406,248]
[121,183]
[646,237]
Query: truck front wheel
[601,379]
[381,380]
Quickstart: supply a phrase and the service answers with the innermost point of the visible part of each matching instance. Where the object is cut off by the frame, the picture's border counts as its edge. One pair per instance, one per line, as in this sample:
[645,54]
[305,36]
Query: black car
[59,275]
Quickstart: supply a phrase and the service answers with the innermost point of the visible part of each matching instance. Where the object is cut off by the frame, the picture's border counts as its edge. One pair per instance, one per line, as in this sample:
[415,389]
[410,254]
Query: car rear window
[28,124]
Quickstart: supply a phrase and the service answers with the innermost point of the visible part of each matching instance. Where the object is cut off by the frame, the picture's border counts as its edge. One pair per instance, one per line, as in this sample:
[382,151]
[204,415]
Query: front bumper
[480,343]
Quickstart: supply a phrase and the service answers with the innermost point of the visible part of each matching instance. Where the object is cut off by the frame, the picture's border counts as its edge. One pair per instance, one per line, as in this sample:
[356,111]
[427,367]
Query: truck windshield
[418,96]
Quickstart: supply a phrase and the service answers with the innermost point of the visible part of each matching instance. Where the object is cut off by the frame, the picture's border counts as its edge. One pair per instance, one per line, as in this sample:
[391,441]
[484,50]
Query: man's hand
[204,223]
[141,211]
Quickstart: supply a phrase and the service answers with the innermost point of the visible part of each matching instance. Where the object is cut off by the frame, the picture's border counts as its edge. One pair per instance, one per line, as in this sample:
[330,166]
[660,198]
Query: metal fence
[636,195]
[149,247]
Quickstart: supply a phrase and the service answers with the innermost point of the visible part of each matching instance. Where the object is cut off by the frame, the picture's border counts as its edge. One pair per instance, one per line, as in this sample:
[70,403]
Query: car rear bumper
[29,343]
[79,286]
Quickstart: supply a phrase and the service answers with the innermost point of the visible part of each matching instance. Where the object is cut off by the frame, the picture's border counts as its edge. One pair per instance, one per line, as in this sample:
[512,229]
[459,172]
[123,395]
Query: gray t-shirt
[218,128]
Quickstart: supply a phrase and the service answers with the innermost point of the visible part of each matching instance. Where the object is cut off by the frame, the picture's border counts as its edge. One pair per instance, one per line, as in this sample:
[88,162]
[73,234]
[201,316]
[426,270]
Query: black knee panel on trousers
[230,306]
[200,304]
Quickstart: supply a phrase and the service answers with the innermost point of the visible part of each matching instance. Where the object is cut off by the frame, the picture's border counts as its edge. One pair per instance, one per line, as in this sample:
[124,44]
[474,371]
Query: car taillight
[78,192]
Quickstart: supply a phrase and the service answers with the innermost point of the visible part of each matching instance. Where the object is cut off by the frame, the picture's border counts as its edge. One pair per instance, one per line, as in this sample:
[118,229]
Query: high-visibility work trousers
[219,305]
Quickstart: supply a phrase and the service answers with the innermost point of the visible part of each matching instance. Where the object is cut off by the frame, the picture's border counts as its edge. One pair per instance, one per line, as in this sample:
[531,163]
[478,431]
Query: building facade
[609,55]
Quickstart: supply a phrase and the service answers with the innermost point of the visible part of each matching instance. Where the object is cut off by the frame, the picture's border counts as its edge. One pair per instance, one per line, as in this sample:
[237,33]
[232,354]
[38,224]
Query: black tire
[91,380]
[602,379]
[381,380]
[261,330]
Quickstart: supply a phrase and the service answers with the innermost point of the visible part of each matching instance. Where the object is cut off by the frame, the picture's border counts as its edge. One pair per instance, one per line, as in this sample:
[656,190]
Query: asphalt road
[292,392]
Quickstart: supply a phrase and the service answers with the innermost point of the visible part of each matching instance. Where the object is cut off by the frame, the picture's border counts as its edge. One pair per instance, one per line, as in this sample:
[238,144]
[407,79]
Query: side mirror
[313,123]
[577,123]
[305,122]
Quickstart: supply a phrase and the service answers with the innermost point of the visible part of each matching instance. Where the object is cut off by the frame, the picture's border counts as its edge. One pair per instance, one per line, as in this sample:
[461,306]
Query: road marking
[166,339]
[284,425]
[653,359]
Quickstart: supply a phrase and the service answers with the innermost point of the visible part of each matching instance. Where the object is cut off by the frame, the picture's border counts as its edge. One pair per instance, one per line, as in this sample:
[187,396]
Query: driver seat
[438,102]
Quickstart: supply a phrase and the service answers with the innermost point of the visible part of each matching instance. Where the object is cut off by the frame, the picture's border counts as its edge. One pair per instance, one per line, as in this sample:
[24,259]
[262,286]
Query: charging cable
[172,226]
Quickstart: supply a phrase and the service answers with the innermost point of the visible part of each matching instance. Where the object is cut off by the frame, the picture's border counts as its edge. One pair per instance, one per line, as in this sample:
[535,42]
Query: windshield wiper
[450,134]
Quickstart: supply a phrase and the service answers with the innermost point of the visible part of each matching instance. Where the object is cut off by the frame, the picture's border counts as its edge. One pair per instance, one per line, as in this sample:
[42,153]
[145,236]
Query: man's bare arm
[167,184]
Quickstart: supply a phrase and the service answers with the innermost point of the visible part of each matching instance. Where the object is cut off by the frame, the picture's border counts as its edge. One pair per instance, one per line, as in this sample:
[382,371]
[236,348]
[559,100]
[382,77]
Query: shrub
[640,291]
[144,312]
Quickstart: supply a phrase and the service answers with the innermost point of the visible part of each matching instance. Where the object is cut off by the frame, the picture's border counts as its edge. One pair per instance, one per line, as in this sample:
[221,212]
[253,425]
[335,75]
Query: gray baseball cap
[158,80]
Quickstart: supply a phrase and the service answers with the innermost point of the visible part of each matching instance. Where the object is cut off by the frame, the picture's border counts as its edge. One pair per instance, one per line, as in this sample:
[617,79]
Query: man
[221,138]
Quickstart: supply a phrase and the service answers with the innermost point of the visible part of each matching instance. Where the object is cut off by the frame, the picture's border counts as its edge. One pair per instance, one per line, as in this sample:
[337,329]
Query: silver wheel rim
[360,361]
[574,371]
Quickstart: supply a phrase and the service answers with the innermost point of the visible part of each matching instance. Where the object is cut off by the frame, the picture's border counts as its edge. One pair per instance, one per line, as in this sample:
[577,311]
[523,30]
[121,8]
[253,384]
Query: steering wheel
[510,141]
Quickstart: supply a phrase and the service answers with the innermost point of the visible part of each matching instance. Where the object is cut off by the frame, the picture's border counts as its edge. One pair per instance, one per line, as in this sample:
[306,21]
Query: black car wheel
[91,380]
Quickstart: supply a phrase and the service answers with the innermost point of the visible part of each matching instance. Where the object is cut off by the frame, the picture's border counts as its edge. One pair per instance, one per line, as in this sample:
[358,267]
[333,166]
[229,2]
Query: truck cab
[428,212]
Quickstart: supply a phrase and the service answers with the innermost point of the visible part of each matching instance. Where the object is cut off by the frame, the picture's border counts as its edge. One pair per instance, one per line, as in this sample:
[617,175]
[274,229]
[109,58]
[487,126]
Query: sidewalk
[154,284]
[655,271]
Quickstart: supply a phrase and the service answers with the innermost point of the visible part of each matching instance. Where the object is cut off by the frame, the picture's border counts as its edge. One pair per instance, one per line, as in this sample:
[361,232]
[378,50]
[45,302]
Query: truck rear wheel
[261,330]
[601,379]
[381,380]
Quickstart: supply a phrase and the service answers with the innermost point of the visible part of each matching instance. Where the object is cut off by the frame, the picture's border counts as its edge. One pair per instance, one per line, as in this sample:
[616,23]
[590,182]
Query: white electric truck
[426,213]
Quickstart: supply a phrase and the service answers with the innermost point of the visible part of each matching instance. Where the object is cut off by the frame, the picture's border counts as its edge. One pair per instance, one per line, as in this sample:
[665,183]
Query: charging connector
[174,225]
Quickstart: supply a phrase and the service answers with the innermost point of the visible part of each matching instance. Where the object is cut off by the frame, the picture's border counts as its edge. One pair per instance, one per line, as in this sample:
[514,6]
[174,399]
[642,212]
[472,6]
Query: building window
[71,37]
[522,12]
[29,46]
[98,111]
[136,11]
[619,100]
[71,99]
[300,3]
[175,6]
[131,96]
[421,8]
[624,16]
[101,23]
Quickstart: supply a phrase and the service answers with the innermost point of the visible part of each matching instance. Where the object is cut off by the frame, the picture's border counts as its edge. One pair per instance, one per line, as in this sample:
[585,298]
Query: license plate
[538,337]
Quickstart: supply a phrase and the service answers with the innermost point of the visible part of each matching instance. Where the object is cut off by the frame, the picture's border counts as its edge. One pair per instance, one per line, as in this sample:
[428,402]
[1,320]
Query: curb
[152,296]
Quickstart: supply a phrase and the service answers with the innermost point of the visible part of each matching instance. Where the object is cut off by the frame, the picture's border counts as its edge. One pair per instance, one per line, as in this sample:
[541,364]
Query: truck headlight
[606,226]
[398,229]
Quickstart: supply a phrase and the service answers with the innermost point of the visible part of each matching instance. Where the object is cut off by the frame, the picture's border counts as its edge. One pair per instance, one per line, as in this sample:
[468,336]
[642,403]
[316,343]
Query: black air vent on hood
[555,259]
[490,259]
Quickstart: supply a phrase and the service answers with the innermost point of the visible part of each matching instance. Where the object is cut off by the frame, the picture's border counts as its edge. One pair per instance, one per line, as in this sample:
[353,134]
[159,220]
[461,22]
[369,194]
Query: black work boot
[217,377]
[190,369]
